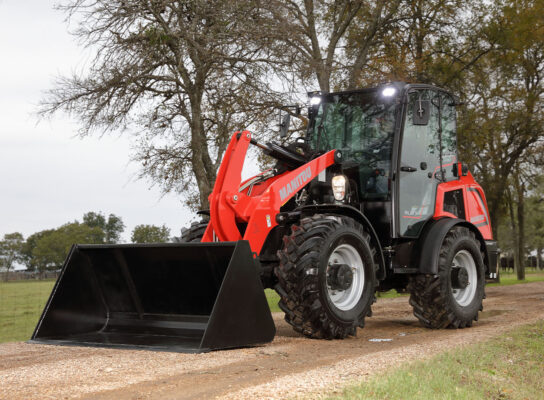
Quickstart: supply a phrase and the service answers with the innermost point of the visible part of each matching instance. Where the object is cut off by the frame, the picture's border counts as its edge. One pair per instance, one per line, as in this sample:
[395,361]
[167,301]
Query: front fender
[352,212]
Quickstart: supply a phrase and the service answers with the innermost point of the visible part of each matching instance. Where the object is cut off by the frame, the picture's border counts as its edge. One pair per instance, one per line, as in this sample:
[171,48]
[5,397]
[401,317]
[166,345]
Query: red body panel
[228,205]
[476,211]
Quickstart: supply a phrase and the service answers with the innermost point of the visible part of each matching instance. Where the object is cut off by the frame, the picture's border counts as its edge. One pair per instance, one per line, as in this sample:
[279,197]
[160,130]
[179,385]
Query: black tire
[304,277]
[194,233]
[433,297]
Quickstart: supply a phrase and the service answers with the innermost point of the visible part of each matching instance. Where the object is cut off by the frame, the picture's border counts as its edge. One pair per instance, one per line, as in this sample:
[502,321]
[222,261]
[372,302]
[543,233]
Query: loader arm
[229,206]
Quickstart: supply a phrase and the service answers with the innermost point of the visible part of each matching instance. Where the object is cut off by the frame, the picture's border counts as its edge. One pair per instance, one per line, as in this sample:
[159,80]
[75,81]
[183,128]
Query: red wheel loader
[373,198]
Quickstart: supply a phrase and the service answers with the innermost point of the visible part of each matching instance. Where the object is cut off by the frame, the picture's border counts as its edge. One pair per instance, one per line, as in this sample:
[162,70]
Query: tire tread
[298,286]
[430,302]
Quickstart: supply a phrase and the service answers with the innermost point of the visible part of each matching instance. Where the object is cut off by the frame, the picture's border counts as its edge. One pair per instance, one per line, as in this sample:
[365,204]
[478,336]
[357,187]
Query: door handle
[406,168]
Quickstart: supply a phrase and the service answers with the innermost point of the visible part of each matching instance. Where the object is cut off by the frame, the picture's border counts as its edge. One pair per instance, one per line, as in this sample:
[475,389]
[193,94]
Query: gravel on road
[292,366]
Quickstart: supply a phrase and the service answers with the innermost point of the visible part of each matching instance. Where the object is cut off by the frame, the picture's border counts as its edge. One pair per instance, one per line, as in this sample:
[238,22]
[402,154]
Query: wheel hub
[464,278]
[459,278]
[345,277]
[340,276]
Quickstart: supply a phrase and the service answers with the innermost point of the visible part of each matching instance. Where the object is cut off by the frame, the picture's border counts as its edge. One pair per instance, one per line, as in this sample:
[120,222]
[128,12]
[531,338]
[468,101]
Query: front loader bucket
[187,297]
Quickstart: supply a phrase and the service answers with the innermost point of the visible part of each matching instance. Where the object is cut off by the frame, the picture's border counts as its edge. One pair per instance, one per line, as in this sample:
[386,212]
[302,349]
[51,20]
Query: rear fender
[474,207]
[432,238]
[358,216]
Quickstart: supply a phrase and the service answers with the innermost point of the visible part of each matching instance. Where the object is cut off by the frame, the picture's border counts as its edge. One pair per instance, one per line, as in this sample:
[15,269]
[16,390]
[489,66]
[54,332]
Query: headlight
[339,187]
[389,91]
[314,101]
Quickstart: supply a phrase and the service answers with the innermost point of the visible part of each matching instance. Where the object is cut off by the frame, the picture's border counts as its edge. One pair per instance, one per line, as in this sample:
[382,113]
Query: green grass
[510,366]
[21,304]
[272,298]
[508,279]
[391,294]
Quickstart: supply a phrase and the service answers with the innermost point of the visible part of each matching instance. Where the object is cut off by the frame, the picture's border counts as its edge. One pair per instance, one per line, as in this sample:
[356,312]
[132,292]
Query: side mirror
[284,125]
[421,112]
[459,168]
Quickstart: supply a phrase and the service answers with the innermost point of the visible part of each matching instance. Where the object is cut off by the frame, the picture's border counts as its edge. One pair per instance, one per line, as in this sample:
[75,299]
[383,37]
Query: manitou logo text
[295,184]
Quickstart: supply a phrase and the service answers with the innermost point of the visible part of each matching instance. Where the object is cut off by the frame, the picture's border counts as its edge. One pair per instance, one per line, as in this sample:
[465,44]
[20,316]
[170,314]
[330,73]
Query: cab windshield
[361,124]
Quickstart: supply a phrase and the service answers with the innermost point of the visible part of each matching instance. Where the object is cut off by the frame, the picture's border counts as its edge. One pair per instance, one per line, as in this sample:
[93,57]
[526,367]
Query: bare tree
[311,35]
[179,75]
[366,38]
[428,41]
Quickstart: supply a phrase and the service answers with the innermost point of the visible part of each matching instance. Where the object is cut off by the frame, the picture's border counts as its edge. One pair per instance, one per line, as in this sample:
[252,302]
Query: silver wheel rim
[345,300]
[463,259]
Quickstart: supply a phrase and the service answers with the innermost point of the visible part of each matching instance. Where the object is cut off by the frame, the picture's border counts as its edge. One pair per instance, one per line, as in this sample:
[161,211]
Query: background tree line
[183,75]
[47,250]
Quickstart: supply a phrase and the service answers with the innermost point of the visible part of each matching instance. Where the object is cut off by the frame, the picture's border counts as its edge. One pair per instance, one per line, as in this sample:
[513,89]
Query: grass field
[507,367]
[22,302]
[273,299]
[531,275]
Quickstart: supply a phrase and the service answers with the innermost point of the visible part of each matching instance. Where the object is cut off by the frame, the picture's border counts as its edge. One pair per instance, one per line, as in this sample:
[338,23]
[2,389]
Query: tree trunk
[496,189]
[199,147]
[515,247]
[493,215]
[538,259]
[520,191]
[362,56]
[323,77]
[320,67]
[419,37]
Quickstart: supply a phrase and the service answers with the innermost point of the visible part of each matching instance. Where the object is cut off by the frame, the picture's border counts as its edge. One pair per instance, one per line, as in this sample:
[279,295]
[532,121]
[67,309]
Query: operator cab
[361,124]
[393,140]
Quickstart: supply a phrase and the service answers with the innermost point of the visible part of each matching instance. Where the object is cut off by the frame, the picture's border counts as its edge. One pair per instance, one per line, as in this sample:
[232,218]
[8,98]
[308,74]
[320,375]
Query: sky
[48,175]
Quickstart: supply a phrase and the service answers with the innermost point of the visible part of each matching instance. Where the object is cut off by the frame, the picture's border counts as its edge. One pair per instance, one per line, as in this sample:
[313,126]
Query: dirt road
[291,366]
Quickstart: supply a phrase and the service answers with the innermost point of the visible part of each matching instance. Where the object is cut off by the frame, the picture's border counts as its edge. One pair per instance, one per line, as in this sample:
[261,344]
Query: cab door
[419,162]
[423,148]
